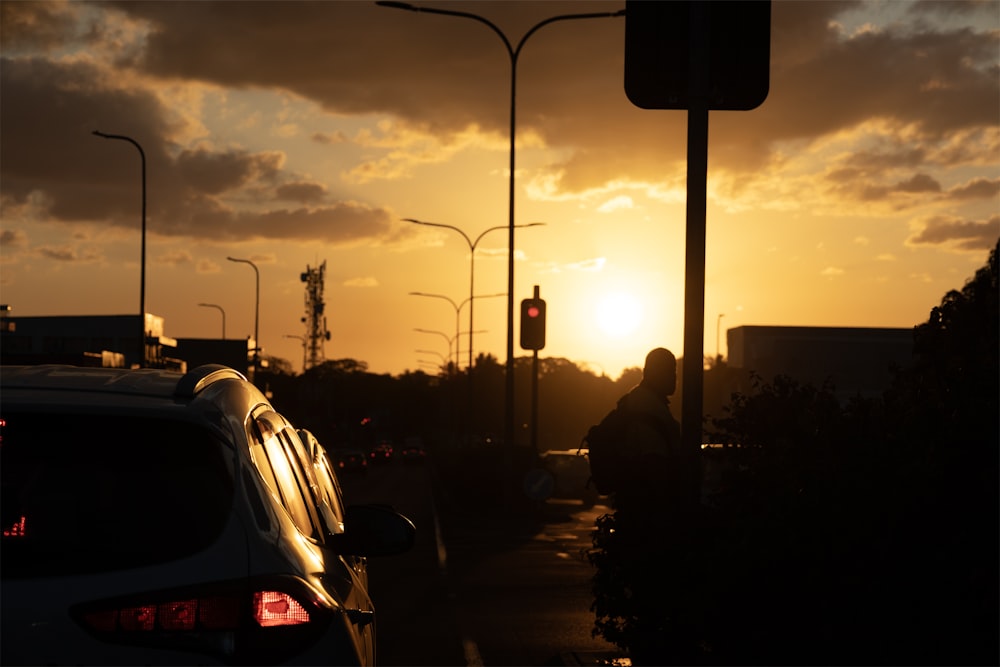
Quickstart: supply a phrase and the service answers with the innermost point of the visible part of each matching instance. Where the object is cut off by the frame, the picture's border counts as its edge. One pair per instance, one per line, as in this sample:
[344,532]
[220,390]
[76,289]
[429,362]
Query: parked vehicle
[570,470]
[352,461]
[412,453]
[153,517]
[381,453]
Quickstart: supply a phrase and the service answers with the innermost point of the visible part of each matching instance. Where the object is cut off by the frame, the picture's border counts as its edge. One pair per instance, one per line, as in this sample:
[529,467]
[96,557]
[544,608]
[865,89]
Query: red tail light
[259,621]
[273,608]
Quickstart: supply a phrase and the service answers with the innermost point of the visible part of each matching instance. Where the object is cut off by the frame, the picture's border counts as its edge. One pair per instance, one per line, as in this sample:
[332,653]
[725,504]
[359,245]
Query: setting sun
[619,314]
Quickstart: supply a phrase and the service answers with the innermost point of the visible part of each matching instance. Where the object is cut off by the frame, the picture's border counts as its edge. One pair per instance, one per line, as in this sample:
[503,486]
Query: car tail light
[257,621]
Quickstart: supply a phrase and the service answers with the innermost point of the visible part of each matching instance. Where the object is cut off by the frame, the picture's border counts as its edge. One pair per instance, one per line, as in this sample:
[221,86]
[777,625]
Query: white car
[153,517]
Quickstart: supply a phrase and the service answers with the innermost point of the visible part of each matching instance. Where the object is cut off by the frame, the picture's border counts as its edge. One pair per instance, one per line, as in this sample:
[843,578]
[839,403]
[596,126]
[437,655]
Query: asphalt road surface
[481,592]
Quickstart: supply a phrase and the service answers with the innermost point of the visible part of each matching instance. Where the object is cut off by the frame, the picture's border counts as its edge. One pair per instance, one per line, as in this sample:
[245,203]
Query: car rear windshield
[86,493]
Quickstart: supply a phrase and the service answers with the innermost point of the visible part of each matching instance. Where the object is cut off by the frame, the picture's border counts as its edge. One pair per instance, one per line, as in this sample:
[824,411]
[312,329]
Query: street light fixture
[142,270]
[453,305]
[473,244]
[444,362]
[448,339]
[513,53]
[213,305]
[458,308]
[256,314]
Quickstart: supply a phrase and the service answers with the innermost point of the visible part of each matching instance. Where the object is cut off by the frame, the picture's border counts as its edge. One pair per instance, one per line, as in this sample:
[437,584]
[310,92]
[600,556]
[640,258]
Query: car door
[345,574]
[297,487]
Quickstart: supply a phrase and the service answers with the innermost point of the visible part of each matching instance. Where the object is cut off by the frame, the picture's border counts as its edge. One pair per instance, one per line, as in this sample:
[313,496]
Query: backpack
[608,462]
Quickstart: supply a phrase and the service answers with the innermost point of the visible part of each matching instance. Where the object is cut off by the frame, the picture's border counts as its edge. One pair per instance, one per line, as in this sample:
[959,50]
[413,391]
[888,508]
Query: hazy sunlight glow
[618,314]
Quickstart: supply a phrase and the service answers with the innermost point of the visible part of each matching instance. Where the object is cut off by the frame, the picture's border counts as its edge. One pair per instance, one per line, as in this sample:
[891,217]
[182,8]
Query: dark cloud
[977,188]
[445,74]
[301,192]
[214,173]
[965,235]
[918,183]
[36,25]
[329,138]
[11,239]
[70,254]
[49,154]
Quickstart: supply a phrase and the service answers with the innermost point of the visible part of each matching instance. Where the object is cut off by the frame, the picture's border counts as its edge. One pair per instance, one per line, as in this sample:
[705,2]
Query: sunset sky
[863,189]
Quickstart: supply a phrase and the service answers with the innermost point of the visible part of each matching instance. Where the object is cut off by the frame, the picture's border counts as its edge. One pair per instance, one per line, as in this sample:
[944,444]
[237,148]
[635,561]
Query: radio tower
[315,321]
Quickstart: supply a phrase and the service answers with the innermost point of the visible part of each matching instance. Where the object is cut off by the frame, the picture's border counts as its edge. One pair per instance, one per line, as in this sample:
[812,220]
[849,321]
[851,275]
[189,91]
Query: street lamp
[256,314]
[513,53]
[444,362]
[718,321]
[212,305]
[303,339]
[472,262]
[458,308]
[448,339]
[142,270]
[453,305]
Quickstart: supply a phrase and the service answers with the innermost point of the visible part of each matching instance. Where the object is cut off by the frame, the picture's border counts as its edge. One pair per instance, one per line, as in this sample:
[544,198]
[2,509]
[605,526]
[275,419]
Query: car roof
[135,382]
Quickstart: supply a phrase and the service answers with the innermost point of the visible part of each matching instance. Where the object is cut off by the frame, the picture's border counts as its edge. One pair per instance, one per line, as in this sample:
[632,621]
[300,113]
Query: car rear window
[85,493]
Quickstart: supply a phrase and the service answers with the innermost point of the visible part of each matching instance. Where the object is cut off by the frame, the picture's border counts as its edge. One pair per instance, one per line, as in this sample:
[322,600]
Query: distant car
[412,453]
[352,461]
[570,470]
[381,453]
[153,517]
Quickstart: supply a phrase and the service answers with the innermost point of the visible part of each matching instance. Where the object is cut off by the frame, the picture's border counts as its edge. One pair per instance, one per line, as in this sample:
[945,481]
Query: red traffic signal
[532,324]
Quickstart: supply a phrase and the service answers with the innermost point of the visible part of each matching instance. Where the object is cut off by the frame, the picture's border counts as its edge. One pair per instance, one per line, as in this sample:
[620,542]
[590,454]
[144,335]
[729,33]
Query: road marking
[442,553]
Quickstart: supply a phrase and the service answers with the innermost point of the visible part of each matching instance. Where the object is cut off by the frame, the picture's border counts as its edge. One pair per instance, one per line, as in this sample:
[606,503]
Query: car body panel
[260,539]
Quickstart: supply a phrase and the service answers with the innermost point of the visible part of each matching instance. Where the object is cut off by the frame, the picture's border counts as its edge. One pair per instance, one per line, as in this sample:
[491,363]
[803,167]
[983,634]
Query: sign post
[696,55]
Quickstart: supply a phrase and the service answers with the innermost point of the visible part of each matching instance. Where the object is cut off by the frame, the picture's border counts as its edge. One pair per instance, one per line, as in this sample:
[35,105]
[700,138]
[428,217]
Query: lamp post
[142,270]
[448,339]
[213,305]
[444,362]
[256,314]
[718,321]
[458,308]
[513,53]
[303,339]
[453,305]
[473,244]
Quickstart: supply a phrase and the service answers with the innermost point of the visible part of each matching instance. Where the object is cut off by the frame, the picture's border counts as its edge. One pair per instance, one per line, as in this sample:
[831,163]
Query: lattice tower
[315,320]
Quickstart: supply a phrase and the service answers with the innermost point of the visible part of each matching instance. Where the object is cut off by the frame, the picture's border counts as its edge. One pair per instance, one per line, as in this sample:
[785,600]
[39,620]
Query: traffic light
[532,324]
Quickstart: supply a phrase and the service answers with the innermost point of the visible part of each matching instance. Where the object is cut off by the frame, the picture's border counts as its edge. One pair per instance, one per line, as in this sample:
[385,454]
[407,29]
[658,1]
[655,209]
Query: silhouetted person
[652,440]
[647,569]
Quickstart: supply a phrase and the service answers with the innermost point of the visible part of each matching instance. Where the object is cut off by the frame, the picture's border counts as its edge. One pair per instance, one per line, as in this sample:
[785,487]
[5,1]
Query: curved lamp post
[213,305]
[256,314]
[458,308]
[142,270]
[513,53]
[473,244]
[444,362]
[453,305]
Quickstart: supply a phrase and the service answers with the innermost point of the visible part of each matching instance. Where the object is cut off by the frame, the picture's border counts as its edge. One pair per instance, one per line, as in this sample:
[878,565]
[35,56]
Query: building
[111,340]
[856,360]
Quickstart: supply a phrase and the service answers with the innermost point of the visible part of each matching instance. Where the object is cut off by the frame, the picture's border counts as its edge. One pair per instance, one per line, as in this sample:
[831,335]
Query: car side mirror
[374,530]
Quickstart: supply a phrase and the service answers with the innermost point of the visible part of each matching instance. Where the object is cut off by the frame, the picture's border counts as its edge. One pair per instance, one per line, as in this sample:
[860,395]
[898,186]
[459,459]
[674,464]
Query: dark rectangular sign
[697,54]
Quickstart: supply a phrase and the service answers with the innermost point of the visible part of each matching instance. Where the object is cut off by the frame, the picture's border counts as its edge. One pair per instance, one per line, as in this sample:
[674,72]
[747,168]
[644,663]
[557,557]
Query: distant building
[857,360]
[110,340]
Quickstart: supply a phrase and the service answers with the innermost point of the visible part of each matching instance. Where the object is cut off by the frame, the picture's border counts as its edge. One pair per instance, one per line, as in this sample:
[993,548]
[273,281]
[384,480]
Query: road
[480,592]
